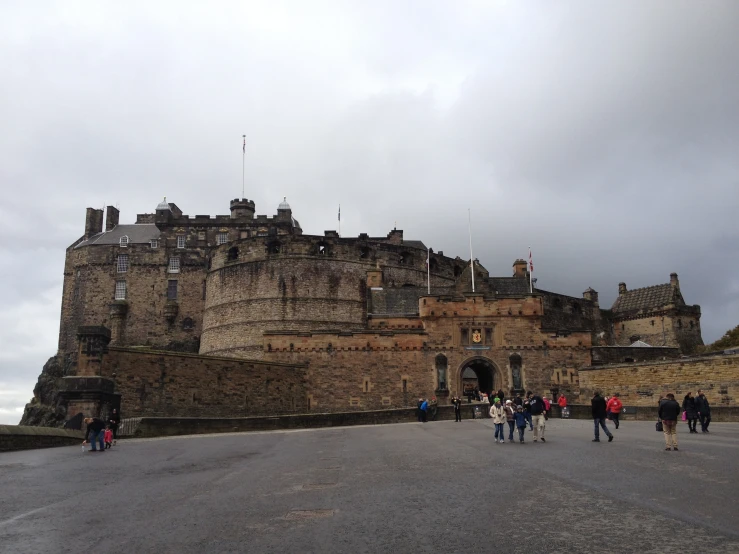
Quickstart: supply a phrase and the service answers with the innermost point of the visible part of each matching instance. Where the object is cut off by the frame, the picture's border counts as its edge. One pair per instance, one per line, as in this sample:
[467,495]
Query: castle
[241,314]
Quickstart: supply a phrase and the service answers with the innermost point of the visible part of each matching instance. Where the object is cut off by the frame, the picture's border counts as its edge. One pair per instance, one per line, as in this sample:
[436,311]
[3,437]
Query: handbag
[659,427]
[685,416]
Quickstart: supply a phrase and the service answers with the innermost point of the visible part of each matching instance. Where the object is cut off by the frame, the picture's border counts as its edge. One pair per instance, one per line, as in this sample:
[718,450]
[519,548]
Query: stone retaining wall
[22,437]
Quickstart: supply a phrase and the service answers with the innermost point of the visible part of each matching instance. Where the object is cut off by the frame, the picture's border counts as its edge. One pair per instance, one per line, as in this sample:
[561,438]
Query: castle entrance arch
[481,372]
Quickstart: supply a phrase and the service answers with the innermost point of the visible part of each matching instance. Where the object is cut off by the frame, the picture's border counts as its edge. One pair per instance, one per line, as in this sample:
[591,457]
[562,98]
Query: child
[521,422]
[108,437]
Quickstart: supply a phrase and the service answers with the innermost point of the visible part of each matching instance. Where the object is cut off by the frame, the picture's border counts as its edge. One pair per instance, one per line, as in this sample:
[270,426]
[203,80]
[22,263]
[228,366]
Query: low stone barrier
[644,413]
[22,437]
[169,426]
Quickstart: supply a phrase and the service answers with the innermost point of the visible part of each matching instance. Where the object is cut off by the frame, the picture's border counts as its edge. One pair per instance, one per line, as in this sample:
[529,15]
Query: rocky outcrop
[45,410]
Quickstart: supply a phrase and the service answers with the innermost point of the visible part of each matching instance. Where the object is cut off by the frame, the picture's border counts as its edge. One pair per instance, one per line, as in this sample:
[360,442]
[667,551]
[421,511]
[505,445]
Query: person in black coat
[114,421]
[691,411]
[457,403]
[704,410]
[598,406]
[669,411]
[95,433]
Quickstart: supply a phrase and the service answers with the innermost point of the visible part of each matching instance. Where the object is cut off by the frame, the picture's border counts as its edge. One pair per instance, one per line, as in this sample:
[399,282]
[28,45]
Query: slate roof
[415,244]
[137,233]
[509,285]
[645,298]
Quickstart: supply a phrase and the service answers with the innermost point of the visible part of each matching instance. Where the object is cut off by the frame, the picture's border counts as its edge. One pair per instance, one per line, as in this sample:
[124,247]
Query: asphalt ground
[439,486]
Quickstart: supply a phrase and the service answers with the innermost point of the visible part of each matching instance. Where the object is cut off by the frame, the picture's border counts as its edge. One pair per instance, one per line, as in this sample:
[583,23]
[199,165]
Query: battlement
[478,305]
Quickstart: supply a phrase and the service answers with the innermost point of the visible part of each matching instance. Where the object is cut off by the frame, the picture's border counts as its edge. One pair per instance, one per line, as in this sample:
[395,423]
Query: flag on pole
[531,261]
[244,147]
[339,212]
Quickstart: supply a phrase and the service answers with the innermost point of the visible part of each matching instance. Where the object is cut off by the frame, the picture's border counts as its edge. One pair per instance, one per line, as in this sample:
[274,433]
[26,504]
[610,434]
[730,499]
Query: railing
[128,426]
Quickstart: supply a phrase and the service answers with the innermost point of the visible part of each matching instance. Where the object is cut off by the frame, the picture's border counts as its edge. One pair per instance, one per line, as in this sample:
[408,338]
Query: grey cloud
[605,136]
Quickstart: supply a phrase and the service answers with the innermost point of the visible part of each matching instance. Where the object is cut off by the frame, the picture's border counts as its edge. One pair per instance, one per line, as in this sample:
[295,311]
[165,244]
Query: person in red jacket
[562,401]
[614,408]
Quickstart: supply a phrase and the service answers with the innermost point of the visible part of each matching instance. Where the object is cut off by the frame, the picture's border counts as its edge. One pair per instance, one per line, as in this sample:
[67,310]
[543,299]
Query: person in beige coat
[497,412]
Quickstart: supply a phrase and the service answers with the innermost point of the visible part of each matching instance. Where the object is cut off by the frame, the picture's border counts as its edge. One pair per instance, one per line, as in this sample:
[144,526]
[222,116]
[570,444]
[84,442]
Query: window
[364,252]
[441,367]
[201,235]
[465,336]
[488,335]
[405,258]
[679,323]
[221,238]
[154,243]
[122,263]
[405,385]
[180,241]
[124,241]
[652,323]
[174,265]
[188,324]
[120,290]
[172,289]
[322,249]
[273,247]
[233,254]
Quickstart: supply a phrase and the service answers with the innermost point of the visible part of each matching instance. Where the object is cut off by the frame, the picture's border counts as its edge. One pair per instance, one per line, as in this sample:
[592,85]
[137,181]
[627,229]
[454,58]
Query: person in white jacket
[497,412]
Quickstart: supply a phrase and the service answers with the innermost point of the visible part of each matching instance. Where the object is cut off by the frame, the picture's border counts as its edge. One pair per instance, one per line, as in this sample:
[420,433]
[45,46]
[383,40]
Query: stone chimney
[590,295]
[93,222]
[674,282]
[621,288]
[520,268]
[111,218]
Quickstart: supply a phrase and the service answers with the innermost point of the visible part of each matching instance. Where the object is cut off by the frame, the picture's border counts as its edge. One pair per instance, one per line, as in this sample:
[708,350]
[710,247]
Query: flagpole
[472,260]
[243,163]
[339,220]
[428,270]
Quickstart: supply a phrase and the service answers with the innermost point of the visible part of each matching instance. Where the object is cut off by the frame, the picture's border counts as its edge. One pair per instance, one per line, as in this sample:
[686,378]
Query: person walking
[538,419]
[598,404]
[497,412]
[562,403]
[669,411]
[418,410]
[691,411]
[521,422]
[95,433]
[424,411]
[510,409]
[613,407]
[547,407]
[704,410]
[457,403]
[527,410]
[114,421]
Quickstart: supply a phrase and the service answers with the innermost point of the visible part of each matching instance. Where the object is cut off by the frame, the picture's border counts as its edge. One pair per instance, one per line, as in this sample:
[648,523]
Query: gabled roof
[509,285]
[646,298]
[137,233]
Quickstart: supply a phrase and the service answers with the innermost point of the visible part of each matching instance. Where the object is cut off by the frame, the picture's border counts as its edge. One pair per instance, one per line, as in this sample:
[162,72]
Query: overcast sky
[603,134]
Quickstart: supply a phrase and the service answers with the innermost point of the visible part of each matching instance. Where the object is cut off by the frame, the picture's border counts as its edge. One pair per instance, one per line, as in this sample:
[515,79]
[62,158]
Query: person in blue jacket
[424,411]
[521,422]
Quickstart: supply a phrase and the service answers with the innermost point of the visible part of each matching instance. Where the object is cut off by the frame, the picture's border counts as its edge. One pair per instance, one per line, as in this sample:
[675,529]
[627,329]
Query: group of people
[692,409]
[427,408]
[670,411]
[518,414]
[102,433]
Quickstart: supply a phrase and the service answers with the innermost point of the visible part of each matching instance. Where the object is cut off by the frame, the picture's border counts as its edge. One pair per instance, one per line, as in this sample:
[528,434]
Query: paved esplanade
[438,487]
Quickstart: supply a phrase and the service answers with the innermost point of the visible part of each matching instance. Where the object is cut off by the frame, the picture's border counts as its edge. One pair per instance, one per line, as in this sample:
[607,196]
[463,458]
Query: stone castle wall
[89,288]
[153,383]
[643,384]
[254,286]
[395,366]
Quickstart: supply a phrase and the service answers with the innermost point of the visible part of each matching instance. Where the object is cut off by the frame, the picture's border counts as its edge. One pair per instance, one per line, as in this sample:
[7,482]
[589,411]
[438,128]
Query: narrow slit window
[172,289]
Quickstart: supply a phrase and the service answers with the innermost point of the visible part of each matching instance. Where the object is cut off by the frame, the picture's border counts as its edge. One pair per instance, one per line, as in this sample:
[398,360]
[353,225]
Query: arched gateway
[481,372]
